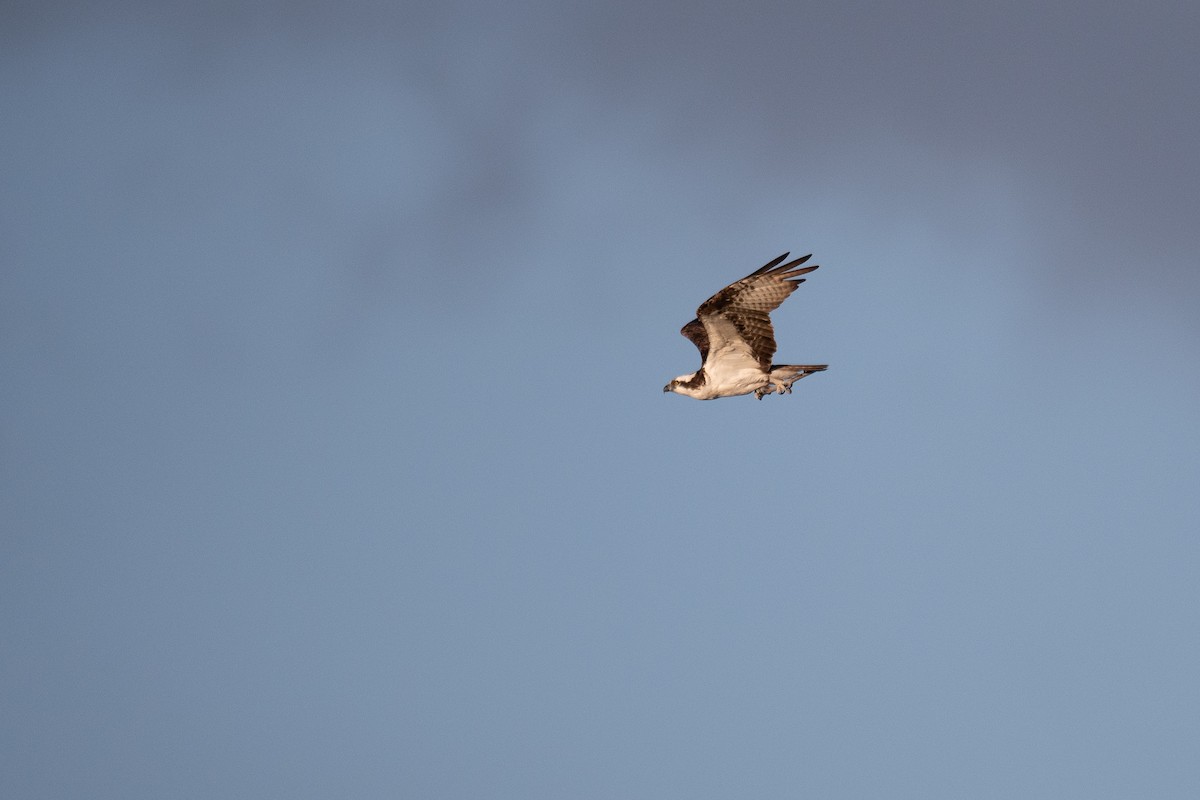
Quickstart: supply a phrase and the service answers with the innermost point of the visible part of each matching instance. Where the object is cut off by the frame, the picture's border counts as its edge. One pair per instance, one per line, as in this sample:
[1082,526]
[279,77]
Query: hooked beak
[667,388]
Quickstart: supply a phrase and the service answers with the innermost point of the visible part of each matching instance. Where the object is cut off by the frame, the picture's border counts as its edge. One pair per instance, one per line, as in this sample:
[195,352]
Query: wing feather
[746,305]
[695,333]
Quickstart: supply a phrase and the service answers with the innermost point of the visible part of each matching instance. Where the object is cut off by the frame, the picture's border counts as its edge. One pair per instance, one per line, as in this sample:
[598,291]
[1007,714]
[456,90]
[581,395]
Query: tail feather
[782,376]
[798,368]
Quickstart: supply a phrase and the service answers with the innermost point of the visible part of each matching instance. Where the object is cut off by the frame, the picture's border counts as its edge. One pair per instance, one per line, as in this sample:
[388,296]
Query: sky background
[334,460]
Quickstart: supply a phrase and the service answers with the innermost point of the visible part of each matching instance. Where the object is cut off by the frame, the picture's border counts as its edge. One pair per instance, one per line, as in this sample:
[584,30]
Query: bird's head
[684,385]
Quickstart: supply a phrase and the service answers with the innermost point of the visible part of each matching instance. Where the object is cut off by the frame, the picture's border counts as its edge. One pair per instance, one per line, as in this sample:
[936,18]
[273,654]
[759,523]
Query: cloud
[394,144]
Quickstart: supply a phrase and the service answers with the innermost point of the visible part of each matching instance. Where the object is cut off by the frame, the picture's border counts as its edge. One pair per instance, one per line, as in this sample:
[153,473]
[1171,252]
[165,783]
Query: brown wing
[746,304]
[694,331]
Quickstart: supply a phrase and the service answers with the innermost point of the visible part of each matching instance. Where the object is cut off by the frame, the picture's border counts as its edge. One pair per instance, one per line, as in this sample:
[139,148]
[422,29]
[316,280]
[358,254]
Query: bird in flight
[733,332]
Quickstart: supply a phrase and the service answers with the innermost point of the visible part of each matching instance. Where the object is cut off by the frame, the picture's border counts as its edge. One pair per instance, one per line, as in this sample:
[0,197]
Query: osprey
[733,332]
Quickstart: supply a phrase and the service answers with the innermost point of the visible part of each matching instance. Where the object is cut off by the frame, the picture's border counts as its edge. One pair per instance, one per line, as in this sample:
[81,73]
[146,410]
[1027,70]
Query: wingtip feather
[769,265]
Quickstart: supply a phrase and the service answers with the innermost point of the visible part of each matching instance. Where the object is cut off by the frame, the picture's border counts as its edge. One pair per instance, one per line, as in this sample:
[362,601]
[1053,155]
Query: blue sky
[335,459]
